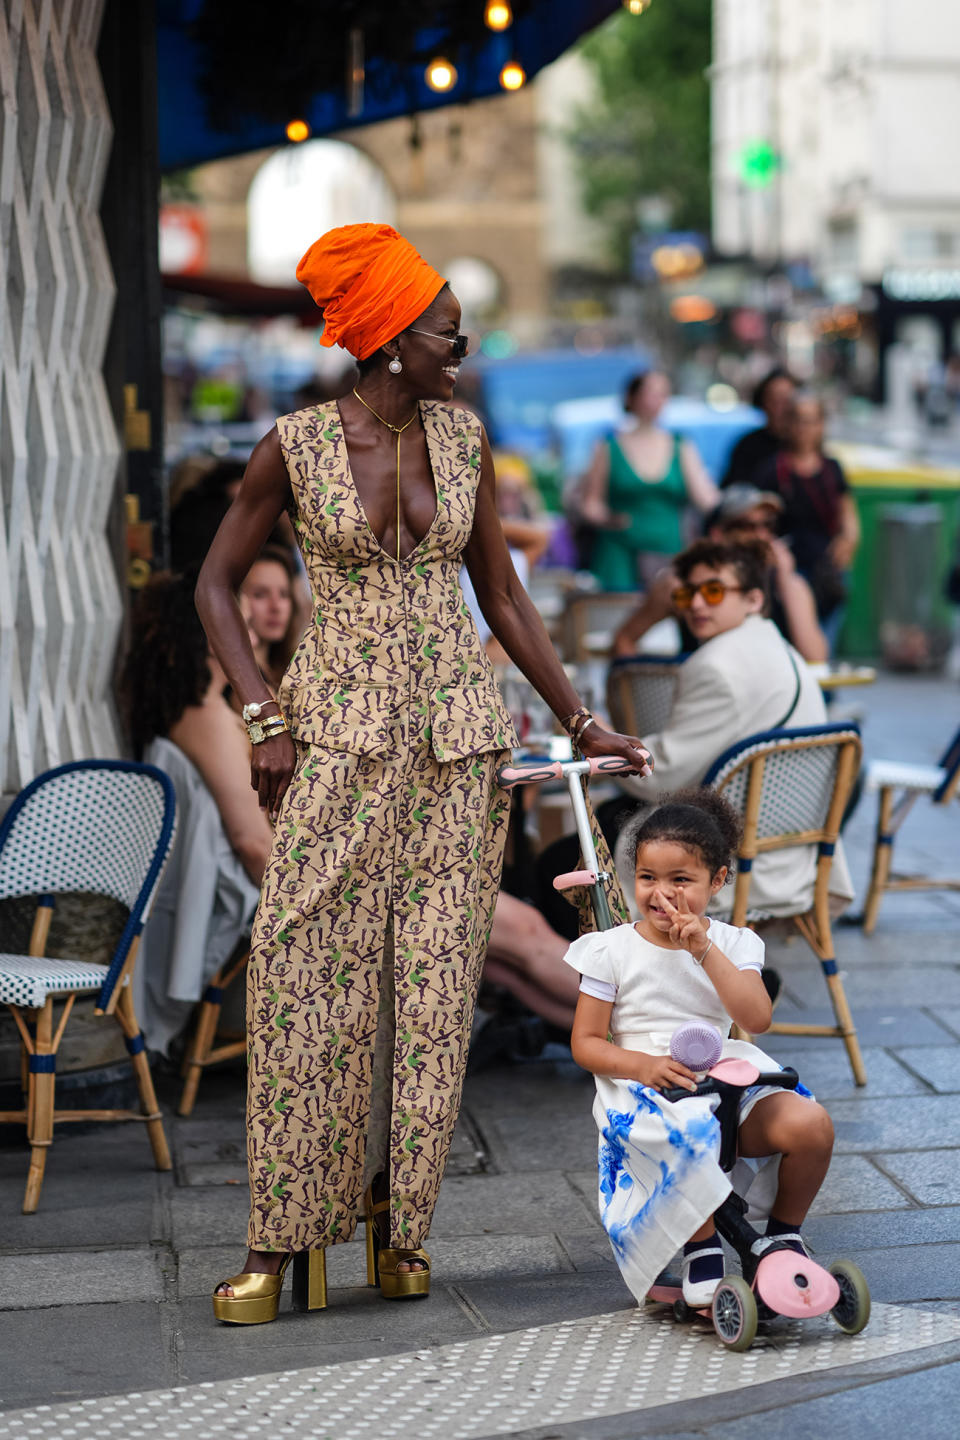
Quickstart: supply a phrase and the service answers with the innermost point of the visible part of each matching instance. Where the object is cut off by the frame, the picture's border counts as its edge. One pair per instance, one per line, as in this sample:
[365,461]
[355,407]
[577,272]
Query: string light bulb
[497,15]
[636,7]
[513,76]
[297,131]
[440,74]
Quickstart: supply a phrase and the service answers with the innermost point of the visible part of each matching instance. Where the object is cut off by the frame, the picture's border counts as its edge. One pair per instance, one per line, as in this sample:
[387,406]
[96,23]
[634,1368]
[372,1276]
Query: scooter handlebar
[535,772]
[787,1079]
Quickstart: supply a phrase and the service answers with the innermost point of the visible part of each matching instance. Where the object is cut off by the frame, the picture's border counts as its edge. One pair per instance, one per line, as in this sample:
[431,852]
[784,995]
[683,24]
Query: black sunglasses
[460,343]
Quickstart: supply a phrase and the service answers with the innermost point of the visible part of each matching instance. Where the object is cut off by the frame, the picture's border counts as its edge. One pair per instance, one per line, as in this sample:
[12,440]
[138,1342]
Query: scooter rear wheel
[852,1310]
[734,1312]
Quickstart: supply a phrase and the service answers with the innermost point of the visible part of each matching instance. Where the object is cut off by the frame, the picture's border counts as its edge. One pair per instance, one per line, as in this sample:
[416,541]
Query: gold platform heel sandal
[255,1299]
[382,1263]
[310,1280]
[404,1284]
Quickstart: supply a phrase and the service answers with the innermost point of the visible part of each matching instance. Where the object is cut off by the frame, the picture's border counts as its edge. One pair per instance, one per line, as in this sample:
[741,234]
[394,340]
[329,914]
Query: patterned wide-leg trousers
[396,849]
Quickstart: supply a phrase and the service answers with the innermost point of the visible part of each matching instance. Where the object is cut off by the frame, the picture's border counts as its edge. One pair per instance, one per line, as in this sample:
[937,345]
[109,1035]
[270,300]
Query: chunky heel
[370,1211]
[310,1280]
[255,1299]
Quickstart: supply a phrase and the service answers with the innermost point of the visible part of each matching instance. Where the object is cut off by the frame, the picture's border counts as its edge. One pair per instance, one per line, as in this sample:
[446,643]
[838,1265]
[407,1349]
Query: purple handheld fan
[696,1045]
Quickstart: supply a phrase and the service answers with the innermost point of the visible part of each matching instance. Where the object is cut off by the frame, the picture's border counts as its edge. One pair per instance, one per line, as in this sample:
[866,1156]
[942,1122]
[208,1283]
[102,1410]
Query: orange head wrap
[370,284]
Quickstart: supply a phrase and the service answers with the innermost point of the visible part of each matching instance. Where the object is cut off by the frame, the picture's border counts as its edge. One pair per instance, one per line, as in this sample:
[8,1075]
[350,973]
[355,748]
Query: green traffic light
[758,163]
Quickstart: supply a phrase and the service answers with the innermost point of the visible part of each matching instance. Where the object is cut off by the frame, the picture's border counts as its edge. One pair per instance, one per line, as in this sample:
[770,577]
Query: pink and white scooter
[779,1281]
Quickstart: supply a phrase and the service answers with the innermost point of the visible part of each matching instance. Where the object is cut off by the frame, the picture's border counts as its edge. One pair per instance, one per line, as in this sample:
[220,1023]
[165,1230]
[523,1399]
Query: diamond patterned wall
[60,604]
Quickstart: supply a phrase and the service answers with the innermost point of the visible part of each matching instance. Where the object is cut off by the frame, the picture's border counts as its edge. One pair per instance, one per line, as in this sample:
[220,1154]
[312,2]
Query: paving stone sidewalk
[106,1290]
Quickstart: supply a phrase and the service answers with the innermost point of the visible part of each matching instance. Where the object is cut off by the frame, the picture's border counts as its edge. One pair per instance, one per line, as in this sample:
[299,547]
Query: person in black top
[774,396]
[819,518]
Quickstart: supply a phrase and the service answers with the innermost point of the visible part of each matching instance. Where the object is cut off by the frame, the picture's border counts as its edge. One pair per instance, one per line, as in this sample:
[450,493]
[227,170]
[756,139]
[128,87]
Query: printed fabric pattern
[393,824]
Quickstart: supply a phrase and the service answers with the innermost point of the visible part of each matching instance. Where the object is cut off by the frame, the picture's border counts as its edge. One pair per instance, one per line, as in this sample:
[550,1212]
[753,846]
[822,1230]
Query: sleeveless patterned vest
[385,634]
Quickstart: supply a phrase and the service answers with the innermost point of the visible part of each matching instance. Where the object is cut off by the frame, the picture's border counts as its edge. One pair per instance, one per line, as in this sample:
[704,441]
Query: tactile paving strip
[550,1375]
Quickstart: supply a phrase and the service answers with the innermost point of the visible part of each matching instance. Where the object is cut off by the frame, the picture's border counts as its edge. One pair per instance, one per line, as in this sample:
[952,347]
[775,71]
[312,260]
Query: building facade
[856,100]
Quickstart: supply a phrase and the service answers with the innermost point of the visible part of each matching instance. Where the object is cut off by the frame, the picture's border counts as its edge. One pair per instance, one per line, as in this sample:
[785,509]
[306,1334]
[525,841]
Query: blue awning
[542,30]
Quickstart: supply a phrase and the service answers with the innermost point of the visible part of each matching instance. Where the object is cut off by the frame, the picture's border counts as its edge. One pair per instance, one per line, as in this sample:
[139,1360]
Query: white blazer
[735,685]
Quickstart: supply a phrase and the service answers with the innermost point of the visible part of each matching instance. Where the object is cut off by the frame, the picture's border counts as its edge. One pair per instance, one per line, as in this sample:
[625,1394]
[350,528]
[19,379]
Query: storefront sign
[900,283]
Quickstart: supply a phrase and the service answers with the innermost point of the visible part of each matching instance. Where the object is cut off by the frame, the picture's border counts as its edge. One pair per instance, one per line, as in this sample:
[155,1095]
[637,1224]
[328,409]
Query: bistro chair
[100,826]
[590,619]
[901,785]
[640,692]
[791,788]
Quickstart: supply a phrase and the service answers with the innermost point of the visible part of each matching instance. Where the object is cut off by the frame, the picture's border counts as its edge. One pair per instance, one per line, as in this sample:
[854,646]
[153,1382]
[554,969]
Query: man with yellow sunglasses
[743,678]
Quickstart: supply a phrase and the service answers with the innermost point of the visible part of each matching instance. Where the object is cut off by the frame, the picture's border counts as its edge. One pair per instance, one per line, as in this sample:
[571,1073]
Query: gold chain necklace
[398,431]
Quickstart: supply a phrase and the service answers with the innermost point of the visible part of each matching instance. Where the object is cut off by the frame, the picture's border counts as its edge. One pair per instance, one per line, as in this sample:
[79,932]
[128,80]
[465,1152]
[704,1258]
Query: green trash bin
[882,481]
[914,631]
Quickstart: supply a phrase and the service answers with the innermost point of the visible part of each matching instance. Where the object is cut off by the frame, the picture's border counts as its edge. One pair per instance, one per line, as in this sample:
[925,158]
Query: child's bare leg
[706,1230]
[802,1133]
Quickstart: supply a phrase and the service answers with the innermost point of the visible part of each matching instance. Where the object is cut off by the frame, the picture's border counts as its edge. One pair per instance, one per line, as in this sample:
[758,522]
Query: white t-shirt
[653,989]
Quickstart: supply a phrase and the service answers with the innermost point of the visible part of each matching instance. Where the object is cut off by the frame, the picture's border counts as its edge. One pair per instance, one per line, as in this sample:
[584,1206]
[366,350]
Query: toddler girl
[660,1180]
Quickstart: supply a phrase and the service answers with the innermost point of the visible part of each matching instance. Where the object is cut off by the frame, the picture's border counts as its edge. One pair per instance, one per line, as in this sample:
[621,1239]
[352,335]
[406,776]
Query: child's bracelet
[698,960]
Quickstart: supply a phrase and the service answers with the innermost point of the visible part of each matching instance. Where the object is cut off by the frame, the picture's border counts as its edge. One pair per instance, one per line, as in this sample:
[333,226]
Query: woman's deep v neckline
[360,505]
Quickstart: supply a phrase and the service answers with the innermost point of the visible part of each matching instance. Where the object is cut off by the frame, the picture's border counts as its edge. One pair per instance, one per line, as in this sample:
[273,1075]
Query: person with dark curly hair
[744,677]
[172,688]
[660,1177]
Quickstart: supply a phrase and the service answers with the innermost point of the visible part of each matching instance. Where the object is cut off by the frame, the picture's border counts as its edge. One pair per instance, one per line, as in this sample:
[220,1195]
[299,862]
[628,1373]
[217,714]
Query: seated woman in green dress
[637,490]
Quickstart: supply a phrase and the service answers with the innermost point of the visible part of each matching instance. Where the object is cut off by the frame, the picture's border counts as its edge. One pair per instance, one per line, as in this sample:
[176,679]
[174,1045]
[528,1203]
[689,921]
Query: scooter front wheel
[734,1312]
[852,1310]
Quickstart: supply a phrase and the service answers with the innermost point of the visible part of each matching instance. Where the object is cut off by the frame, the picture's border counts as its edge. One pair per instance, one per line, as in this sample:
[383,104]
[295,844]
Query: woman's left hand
[597,742]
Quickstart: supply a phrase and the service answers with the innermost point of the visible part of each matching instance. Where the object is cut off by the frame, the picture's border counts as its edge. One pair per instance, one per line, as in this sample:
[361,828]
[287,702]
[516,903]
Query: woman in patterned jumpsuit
[378,897]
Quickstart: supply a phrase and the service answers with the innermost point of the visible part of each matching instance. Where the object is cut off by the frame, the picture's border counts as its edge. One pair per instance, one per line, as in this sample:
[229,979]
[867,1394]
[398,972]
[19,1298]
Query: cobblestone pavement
[529,1330]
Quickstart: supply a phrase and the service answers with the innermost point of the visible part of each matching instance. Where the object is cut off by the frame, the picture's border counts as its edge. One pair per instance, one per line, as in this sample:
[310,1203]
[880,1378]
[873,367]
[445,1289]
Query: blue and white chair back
[798,785]
[101,826]
[791,788]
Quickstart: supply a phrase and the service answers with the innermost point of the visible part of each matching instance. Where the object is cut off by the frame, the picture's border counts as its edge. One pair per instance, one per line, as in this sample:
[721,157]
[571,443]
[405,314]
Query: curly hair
[750,559]
[700,820]
[166,667]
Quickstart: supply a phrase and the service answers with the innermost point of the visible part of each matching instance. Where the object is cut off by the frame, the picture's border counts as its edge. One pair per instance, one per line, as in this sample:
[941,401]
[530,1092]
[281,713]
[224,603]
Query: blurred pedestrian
[267,605]
[819,519]
[637,490]
[774,396]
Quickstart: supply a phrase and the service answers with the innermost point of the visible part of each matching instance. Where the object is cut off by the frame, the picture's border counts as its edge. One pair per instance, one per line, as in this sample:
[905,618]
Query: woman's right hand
[660,1071]
[271,769]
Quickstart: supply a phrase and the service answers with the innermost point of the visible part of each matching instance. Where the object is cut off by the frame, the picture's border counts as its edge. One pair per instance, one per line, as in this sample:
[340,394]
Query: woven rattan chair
[590,620]
[101,826]
[791,788]
[901,785]
[640,693]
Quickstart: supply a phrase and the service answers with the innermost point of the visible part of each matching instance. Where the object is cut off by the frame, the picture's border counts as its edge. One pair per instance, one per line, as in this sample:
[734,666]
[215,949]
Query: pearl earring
[395,367]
